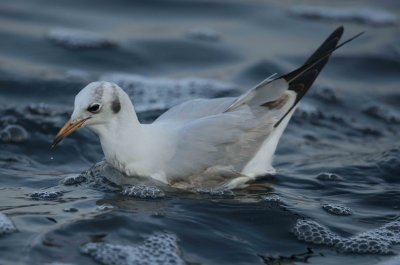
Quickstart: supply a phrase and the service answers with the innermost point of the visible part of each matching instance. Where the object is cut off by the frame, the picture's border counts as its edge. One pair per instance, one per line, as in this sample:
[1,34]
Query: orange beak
[67,129]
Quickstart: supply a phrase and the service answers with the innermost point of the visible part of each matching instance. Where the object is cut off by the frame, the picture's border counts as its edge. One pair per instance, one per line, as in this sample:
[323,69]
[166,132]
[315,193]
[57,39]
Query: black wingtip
[301,79]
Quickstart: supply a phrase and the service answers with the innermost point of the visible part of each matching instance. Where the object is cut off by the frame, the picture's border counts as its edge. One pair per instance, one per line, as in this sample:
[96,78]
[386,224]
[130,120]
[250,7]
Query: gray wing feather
[268,90]
[195,109]
[224,131]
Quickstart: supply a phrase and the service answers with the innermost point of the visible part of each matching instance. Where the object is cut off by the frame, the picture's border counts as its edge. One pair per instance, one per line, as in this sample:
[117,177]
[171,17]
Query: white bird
[224,142]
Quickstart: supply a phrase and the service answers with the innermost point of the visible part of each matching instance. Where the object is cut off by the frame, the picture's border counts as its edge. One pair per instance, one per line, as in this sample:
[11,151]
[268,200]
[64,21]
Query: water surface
[165,52]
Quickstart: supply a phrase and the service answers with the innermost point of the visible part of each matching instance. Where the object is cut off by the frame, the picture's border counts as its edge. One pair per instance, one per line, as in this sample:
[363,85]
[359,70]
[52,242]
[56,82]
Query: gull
[221,142]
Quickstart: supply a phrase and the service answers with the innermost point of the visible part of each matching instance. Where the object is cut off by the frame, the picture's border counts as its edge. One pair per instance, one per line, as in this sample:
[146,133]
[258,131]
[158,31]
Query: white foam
[6,225]
[157,249]
[101,176]
[376,241]
[307,109]
[326,176]
[273,198]
[143,192]
[40,109]
[312,232]
[104,207]
[14,134]
[46,195]
[76,39]
[162,93]
[336,209]
[73,179]
[367,15]
[70,210]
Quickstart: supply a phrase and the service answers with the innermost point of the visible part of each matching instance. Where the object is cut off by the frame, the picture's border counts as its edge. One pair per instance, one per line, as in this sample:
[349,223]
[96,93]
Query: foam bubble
[105,207]
[366,15]
[160,248]
[216,192]
[40,109]
[364,244]
[272,198]
[336,209]
[101,176]
[46,195]
[70,210]
[205,34]
[144,192]
[6,225]
[73,180]
[14,134]
[326,176]
[161,93]
[308,111]
[78,39]
[376,241]
[312,232]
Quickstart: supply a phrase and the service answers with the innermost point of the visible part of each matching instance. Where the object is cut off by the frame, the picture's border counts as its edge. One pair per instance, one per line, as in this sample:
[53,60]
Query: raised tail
[301,79]
[280,105]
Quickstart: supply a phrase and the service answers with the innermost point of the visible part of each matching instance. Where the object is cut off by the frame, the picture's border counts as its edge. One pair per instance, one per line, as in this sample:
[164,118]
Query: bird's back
[237,137]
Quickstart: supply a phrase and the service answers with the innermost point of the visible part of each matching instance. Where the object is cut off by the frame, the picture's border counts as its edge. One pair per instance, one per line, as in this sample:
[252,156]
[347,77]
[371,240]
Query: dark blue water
[166,52]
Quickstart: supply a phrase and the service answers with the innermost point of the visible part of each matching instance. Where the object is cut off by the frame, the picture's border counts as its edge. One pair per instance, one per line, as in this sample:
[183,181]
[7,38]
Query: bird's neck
[122,138]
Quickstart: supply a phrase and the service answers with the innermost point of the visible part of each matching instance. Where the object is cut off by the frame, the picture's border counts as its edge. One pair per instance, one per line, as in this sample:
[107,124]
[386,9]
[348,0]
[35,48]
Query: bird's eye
[94,108]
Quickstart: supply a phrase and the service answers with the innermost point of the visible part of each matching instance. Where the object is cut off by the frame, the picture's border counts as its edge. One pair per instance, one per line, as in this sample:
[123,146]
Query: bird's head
[96,104]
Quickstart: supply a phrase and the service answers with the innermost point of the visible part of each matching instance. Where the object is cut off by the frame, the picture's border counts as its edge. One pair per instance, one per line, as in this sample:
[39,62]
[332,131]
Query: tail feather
[301,79]
[306,78]
[298,81]
[269,92]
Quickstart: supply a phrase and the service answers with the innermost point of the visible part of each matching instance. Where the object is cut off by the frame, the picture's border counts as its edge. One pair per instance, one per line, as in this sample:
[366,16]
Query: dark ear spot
[116,105]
